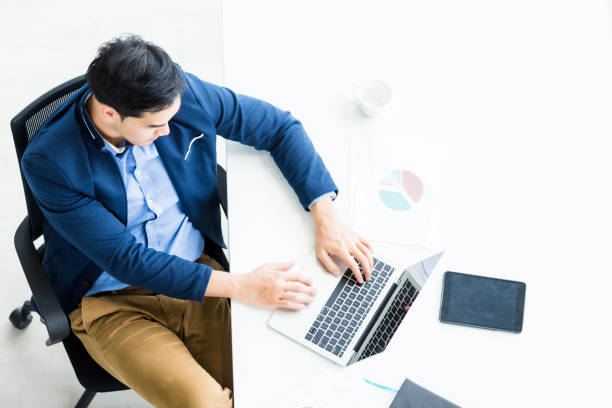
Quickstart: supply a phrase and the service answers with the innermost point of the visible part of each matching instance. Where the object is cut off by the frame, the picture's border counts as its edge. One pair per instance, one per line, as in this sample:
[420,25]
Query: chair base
[85,399]
[21,317]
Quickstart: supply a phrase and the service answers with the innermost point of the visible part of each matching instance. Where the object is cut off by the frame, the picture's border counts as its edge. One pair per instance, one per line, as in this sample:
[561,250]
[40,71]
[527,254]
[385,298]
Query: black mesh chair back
[27,122]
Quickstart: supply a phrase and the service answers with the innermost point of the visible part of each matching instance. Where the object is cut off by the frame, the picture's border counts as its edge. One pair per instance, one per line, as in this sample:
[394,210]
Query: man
[125,175]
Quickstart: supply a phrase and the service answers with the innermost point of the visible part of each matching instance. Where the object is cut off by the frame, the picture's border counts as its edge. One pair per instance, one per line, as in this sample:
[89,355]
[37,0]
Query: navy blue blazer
[81,194]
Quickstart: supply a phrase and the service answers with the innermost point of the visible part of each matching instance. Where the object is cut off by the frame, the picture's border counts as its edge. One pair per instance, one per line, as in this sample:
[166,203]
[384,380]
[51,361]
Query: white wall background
[43,44]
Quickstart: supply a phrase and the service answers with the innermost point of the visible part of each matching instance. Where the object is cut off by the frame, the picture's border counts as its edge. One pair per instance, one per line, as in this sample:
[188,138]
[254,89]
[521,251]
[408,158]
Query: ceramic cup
[373,95]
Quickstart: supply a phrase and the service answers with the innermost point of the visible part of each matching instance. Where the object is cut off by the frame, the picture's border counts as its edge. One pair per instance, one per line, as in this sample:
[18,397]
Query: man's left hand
[334,237]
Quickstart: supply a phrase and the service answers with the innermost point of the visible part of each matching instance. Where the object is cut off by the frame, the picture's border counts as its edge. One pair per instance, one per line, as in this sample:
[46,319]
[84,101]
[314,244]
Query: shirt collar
[117,151]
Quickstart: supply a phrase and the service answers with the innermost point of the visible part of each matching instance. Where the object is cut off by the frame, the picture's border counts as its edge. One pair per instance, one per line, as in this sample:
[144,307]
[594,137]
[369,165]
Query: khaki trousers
[173,353]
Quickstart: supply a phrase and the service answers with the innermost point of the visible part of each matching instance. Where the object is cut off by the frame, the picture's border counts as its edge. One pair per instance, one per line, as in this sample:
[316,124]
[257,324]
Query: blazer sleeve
[86,224]
[259,124]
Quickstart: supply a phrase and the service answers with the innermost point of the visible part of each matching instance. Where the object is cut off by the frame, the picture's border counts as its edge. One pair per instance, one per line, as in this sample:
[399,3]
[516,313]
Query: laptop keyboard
[346,308]
[395,314]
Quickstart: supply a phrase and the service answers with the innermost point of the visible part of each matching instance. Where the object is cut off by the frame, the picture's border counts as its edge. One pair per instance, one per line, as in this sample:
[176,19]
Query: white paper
[395,182]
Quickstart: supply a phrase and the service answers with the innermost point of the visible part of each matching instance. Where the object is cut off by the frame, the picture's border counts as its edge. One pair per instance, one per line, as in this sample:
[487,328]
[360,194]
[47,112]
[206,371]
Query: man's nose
[163,131]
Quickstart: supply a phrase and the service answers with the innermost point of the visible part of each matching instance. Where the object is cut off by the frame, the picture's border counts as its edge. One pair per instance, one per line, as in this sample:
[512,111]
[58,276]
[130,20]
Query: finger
[328,263]
[406,308]
[296,277]
[282,266]
[362,253]
[350,262]
[297,298]
[287,304]
[365,243]
[298,287]
[364,261]
[363,247]
[366,250]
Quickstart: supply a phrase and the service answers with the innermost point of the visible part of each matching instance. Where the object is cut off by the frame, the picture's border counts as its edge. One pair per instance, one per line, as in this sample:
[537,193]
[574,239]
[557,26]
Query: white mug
[373,95]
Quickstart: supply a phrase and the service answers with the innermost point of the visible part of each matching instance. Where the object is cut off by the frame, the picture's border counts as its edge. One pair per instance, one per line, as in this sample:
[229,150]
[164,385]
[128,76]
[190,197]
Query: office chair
[91,376]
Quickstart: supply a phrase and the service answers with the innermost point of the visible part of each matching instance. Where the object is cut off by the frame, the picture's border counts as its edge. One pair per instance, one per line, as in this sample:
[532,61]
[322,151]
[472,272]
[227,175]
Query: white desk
[520,94]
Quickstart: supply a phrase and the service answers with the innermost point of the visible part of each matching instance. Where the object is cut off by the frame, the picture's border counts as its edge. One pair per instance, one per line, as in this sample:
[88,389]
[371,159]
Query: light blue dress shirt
[155,216]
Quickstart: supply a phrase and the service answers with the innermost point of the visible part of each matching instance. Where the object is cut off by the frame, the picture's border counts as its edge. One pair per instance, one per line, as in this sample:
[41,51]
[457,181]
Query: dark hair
[134,76]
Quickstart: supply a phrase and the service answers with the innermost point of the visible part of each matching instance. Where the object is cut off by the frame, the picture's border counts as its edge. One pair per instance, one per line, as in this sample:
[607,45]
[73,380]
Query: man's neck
[92,105]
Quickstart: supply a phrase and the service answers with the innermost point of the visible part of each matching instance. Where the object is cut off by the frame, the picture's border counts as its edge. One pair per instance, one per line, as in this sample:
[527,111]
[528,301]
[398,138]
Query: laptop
[347,321]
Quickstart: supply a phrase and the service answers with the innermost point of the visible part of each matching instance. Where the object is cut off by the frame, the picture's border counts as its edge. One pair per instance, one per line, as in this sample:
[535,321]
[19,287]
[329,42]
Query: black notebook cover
[412,395]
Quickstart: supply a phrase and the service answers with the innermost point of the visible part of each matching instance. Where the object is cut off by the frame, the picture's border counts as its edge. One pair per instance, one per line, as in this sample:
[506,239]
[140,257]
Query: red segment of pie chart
[413,186]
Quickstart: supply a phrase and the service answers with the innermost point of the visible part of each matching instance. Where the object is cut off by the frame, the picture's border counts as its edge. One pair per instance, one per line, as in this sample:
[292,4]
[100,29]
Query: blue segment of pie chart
[394,200]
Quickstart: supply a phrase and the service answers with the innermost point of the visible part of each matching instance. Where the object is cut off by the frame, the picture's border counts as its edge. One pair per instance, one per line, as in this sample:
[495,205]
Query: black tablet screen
[483,302]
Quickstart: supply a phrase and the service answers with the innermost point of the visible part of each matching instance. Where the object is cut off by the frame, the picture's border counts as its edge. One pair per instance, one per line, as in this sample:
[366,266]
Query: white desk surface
[520,95]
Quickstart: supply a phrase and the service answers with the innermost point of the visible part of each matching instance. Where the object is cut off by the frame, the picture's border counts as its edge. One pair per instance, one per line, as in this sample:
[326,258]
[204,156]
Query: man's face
[144,130]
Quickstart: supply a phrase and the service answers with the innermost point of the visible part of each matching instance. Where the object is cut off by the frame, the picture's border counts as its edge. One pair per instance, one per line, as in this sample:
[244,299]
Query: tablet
[480,301]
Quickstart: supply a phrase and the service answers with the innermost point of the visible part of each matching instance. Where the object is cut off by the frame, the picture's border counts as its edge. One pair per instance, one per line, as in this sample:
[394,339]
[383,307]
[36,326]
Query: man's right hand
[271,285]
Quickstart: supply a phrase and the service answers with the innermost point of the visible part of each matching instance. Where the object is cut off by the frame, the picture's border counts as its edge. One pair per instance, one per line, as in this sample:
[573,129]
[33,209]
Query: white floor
[44,44]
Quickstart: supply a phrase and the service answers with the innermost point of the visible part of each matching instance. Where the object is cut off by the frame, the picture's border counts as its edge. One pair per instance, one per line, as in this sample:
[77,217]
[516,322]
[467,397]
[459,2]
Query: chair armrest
[222,187]
[50,309]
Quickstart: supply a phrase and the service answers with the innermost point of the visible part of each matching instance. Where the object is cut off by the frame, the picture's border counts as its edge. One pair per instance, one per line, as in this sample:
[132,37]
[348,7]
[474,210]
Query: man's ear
[109,115]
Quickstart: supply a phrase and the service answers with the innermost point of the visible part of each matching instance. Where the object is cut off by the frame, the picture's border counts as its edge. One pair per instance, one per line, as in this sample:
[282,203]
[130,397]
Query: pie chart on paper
[400,190]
